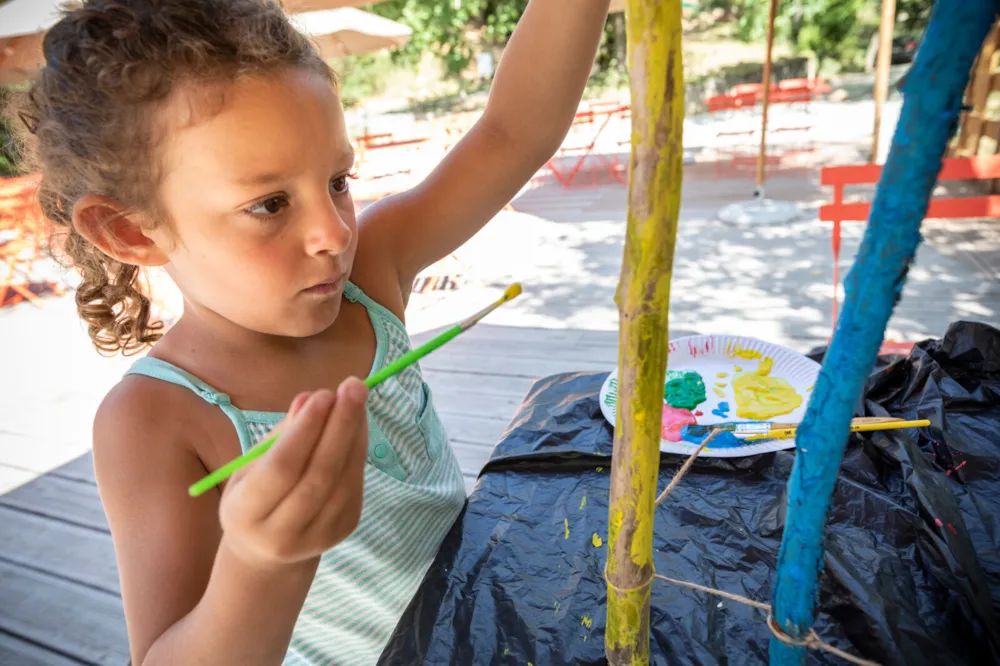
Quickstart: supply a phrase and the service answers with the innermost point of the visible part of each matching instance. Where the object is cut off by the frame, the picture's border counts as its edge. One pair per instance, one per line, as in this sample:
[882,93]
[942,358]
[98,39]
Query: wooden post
[766,99]
[654,195]
[885,32]
[974,123]
[931,101]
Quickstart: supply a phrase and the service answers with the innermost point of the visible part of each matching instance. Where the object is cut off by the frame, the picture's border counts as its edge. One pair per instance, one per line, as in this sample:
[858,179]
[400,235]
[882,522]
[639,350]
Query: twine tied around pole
[811,640]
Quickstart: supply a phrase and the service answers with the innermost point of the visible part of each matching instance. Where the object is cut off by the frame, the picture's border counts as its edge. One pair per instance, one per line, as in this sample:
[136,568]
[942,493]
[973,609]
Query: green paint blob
[684,390]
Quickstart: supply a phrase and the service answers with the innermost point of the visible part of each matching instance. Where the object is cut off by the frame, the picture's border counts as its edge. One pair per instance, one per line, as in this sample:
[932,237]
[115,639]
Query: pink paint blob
[674,420]
[937,521]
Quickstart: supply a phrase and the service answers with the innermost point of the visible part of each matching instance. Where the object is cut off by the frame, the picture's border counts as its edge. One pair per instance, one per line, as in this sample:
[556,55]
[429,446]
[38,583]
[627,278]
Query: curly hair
[88,121]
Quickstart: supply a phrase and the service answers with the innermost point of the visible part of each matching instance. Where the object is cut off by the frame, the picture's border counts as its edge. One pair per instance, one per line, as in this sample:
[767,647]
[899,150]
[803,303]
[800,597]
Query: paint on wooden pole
[932,97]
[654,195]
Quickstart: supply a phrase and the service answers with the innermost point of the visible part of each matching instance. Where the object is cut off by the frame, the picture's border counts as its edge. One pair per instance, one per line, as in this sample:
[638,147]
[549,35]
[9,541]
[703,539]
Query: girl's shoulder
[145,425]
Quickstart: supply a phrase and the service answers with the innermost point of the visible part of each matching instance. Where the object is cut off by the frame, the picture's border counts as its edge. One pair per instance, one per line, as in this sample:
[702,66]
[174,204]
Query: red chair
[975,168]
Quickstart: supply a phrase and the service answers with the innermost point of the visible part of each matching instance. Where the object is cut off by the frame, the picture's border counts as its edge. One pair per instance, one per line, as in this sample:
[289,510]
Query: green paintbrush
[403,362]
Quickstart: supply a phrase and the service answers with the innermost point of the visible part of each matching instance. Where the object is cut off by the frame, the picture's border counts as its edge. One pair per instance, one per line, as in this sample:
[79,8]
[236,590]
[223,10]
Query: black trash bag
[912,563]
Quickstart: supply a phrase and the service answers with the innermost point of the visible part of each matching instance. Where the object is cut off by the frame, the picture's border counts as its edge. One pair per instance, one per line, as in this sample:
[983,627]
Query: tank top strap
[168,372]
[376,311]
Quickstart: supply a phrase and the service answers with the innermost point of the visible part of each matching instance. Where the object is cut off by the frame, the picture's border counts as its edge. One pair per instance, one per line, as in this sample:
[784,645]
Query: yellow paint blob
[748,354]
[587,621]
[737,368]
[810,388]
[721,384]
[566,525]
[596,540]
[557,607]
[719,392]
[722,375]
[761,397]
[583,502]
[600,469]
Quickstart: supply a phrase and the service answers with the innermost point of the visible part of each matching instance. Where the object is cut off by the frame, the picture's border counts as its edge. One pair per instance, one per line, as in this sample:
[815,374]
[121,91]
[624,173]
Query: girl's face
[262,224]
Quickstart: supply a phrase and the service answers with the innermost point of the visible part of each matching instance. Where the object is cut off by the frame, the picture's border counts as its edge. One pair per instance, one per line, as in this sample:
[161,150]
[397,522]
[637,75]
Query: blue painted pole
[932,100]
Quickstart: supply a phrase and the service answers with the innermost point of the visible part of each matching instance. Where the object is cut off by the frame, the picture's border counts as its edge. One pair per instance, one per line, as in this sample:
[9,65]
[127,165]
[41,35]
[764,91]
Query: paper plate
[742,380]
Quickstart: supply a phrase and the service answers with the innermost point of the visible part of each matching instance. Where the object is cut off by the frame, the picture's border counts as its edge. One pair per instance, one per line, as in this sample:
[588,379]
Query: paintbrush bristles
[513,291]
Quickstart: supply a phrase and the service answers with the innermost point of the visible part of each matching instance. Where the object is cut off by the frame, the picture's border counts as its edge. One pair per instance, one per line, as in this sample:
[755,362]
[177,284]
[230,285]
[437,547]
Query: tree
[438,27]
[828,28]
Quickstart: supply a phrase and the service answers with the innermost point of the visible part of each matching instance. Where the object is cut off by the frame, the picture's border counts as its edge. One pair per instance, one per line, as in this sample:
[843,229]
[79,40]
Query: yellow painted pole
[654,196]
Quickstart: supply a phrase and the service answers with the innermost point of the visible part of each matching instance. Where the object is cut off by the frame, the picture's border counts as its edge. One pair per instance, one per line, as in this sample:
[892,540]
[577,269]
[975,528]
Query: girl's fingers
[339,517]
[277,472]
[297,403]
[324,472]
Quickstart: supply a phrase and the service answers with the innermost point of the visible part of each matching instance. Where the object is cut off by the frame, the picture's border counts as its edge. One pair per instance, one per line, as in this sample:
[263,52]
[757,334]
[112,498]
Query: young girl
[207,137]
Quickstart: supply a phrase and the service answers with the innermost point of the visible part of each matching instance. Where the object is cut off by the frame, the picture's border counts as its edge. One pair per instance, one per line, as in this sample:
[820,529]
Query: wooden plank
[60,499]
[450,401]
[12,477]
[525,335]
[63,616]
[503,349]
[15,652]
[471,458]
[59,549]
[473,429]
[81,469]
[477,383]
[530,368]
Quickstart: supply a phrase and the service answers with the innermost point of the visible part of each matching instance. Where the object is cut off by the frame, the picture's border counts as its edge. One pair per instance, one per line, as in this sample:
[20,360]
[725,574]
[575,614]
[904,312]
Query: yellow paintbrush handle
[787,433]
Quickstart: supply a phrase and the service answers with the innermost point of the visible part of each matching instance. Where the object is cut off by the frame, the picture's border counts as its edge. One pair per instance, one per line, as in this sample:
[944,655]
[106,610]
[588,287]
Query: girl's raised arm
[535,95]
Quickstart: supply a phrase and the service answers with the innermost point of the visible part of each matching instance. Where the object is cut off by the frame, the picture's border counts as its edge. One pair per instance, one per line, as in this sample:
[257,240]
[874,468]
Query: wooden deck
[58,578]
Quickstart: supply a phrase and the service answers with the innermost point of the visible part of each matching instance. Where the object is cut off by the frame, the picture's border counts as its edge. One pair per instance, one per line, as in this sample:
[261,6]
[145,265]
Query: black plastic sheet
[912,564]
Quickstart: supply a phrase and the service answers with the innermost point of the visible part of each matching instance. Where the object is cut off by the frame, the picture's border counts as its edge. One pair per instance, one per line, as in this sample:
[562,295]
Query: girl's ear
[117,233]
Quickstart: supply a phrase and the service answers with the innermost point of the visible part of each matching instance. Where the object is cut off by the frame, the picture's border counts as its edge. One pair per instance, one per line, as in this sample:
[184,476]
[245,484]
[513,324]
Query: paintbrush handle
[411,357]
[400,364]
[865,426]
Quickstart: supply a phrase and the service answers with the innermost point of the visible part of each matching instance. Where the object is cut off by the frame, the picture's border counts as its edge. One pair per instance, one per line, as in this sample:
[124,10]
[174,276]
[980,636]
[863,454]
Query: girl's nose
[327,232]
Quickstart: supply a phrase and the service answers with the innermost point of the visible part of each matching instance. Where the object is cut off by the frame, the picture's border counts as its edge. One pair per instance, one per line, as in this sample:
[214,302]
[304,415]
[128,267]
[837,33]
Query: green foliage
[363,76]
[8,164]
[828,29]
[912,15]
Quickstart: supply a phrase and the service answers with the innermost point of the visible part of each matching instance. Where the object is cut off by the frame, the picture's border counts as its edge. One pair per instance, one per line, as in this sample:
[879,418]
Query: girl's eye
[268,207]
[339,185]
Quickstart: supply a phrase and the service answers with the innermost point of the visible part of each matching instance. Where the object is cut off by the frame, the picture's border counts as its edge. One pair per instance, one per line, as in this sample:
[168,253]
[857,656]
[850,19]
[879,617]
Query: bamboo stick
[883,62]
[766,99]
[930,110]
[654,192]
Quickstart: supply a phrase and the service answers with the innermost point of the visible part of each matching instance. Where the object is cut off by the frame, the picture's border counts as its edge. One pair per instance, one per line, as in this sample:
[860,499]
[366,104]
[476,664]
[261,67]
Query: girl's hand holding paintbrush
[304,496]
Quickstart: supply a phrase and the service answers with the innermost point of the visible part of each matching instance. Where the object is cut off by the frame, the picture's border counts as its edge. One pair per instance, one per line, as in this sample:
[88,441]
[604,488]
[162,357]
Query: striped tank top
[413,493]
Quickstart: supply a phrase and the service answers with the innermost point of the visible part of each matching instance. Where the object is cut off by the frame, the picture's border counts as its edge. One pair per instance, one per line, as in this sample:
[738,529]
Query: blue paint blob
[724,440]
[722,411]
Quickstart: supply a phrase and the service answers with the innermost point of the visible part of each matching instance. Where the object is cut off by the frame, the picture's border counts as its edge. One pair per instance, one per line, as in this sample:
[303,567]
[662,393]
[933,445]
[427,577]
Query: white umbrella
[23,24]
[348,31]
